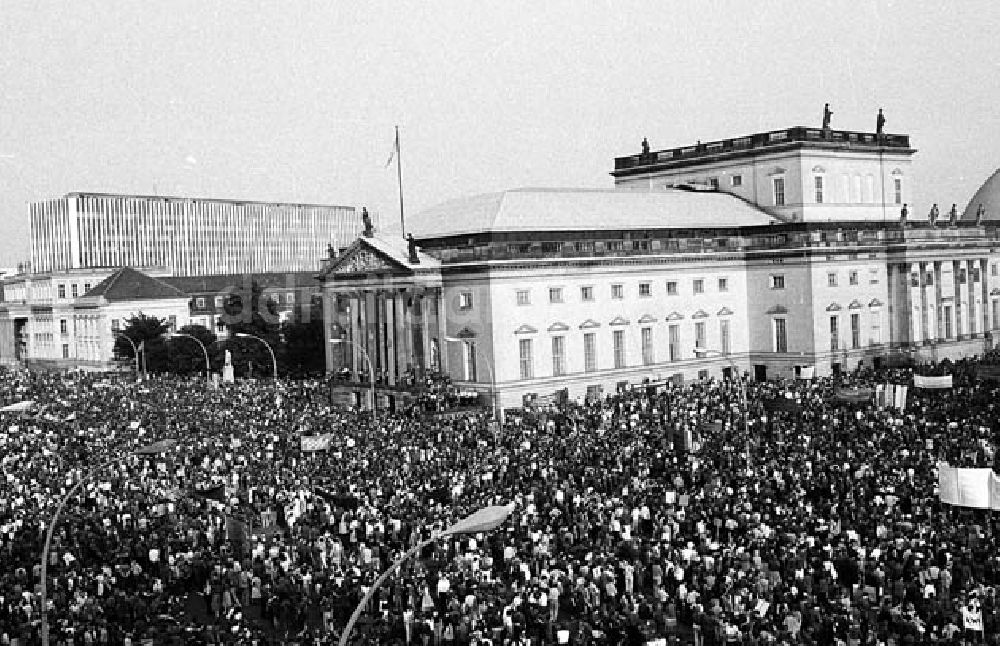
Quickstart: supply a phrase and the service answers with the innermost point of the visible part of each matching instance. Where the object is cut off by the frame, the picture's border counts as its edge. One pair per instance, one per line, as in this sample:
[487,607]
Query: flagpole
[399,179]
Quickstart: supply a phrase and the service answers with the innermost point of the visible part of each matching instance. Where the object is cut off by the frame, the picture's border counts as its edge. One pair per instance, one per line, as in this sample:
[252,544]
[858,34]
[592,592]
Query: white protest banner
[920,381]
[316,442]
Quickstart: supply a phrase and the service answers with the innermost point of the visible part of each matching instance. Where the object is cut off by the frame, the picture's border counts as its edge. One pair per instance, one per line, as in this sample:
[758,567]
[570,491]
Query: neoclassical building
[681,271]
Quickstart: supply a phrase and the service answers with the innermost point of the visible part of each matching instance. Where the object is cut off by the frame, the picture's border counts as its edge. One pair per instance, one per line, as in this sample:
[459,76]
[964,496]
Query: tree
[186,358]
[304,351]
[147,334]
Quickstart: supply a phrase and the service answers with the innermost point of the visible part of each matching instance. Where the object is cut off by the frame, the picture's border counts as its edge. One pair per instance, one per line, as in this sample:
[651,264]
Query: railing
[846,138]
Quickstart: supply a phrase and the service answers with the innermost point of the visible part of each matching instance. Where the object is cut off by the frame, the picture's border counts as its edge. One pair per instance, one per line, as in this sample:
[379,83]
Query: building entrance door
[760,372]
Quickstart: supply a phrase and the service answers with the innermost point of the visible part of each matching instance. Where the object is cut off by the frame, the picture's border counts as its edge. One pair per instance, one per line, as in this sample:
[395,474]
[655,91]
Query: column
[402,331]
[914,300]
[369,334]
[442,329]
[961,299]
[425,321]
[926,301]
[392,360]
[354,335]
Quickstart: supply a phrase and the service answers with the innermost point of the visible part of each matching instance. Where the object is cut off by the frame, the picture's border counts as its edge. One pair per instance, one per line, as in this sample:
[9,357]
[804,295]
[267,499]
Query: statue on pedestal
[880,123]
[367,220]
[411,247]
[933,215]
[903,212]
[980,214]
[827,114]
[645,147]
[953,215]
[227,369]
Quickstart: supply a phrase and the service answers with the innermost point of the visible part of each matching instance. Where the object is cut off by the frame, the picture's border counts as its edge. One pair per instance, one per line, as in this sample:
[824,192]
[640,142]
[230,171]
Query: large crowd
[676,513]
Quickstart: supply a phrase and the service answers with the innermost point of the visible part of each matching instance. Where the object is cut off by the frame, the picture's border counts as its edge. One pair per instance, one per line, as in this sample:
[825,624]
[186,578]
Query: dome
[989,196]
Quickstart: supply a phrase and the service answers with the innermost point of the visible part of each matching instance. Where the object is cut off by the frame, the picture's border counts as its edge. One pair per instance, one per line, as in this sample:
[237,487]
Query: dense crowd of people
[674,513]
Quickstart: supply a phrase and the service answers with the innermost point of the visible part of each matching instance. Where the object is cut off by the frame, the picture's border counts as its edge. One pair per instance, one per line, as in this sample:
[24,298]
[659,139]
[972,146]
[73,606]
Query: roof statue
[953,215]
[826,116]
[645,146]
[880,123]
[331,251]
[903,212]
[411,247]
[980,214]
[367,220]
[933,215]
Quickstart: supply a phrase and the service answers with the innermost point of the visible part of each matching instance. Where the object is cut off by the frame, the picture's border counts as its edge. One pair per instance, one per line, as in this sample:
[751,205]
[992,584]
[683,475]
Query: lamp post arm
[84,478]
[346,636]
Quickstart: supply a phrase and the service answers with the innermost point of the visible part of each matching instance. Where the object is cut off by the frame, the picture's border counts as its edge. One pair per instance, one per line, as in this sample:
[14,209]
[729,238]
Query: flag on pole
[395,151]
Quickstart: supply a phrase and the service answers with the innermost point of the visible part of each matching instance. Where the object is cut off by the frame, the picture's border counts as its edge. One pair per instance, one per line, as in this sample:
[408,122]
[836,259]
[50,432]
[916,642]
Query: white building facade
[190,237]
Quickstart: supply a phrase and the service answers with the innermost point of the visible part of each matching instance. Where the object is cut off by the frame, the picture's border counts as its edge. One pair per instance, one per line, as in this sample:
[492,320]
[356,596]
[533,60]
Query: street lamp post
[150,449]
[274,362]
[703,352]
[371,370]
[493,382]
[208,365]
[484,520]
[135,350]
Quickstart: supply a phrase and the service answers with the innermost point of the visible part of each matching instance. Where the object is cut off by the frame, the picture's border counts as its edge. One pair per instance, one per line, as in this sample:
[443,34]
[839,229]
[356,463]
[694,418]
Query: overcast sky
[296,101]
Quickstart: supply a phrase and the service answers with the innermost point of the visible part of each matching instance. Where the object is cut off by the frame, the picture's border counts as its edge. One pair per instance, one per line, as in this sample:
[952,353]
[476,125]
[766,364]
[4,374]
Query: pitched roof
[540,209]
[222,282]
[127,284]
[393,252]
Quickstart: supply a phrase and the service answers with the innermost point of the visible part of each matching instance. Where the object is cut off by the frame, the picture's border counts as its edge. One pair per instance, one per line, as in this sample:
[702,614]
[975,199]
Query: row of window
[200,301]
[777,281]
[674,348]
[850,191]
[779,328]
[74,289]
[556,294]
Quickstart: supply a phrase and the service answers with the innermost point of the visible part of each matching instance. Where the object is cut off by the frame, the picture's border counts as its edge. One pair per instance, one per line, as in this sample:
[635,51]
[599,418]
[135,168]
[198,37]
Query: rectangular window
[778,281]
[644,289]
[555,295]
[873,276]
[714,182]
[947,321]
[671,288]
[469,360]
[115,325]
[818,183]
[617,292]
[465,301]
[218,302]
[86,287]
[702,375]
[834,333]
[780,336]
[737,180]
[65,350]
[852,277]
[172,322]
[779,191]
[63,326]
[648,357]
[75,289]
[699,285]
[527,367]
[618,336]
[674,340]
[62,290]
[699,334]
[723,284]
[996,314]
[590,352]
[558,356]
[876,327]
[724,343]
[200,302]
[898,190]
[855,330]
[587,293]
[290,298]
[995,269]
[831,279]
[523,297]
